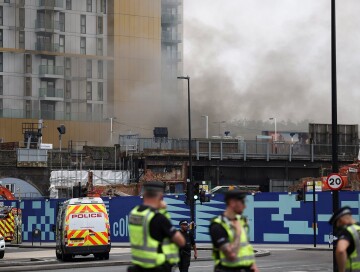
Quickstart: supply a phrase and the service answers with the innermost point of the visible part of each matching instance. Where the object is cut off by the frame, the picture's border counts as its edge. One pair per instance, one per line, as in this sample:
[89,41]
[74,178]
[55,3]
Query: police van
[82,228]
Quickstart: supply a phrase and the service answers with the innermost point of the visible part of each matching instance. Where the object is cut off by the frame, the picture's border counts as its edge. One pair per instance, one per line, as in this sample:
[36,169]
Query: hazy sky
[257,59]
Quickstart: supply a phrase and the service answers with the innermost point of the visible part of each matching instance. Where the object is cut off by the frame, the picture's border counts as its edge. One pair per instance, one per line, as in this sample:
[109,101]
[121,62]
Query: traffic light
[196,191]
[61,129]
[204,197]
[300,195]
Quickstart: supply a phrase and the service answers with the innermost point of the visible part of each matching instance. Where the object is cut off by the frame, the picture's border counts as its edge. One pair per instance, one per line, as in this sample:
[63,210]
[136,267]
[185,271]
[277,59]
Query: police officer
[231,249]
[149,229]
[348,242]
[185,252]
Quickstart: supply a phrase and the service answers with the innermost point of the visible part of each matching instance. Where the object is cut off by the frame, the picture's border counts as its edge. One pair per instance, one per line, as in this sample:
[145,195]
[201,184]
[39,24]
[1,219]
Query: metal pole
[111,130]
[275,130]
[192,207]
[206,126]
[191,189]
[335,165]
[314,213]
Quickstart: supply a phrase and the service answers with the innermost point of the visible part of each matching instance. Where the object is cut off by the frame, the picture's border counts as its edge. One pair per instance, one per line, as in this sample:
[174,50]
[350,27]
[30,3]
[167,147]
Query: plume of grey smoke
[288,79]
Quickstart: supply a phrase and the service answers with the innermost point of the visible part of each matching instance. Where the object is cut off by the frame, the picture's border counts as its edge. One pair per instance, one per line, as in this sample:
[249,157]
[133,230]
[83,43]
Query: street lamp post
[335,163]
[275,137]
[206,126]
[191,189]
[111,128]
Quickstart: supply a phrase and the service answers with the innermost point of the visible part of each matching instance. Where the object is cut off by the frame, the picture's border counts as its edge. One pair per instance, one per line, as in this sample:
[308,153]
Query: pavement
[28,257]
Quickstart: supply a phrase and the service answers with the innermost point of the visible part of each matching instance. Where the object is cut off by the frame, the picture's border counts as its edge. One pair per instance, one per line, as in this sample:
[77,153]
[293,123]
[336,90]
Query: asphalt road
[285,260]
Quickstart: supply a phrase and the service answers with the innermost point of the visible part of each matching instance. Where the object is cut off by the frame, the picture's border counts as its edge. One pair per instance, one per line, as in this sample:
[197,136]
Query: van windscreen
[87,221]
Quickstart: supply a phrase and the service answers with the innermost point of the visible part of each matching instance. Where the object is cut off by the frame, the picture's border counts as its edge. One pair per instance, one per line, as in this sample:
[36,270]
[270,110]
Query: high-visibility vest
[170,249]
[144,249]
[353,261]
[245,255]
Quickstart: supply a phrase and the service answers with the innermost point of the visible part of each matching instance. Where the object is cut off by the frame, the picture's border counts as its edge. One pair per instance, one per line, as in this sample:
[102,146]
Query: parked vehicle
[2,246]
[244,188]
[82,228]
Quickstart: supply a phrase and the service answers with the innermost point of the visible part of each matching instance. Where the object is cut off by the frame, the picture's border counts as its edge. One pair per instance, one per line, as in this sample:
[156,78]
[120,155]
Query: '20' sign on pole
[335,182]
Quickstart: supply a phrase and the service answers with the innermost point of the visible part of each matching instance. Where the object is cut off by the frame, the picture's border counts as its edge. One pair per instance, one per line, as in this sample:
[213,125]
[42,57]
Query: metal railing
[51,3]
[171,19]
[47,25]
[51,92]
[51,47]
[51,115]
[271,150]
[169,37]
[51,70]
[241,150]
[172,2]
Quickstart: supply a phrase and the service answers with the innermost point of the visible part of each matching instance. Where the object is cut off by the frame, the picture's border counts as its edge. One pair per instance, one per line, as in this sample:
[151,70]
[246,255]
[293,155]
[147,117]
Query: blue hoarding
[273,217]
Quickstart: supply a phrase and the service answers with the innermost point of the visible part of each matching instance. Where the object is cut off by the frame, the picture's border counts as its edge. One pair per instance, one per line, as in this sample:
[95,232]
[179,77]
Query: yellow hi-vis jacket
[170,249]
[144,249]
[353,261]
[245,255]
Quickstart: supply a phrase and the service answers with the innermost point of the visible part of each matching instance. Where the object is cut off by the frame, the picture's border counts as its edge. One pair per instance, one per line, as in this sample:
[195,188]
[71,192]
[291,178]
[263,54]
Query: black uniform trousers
[185,257]
[220,268]
[164,268]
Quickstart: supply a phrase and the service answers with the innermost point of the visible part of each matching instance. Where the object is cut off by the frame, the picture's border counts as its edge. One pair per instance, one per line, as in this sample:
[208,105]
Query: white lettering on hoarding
[120,228]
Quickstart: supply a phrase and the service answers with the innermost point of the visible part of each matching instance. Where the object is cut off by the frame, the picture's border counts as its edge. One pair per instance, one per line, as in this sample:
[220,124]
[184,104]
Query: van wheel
[2,253]
[58,256]
[98,256]
[106,256]
[66,257]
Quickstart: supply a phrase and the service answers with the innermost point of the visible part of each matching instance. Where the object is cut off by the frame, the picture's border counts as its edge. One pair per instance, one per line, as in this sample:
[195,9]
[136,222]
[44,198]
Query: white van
[82,228]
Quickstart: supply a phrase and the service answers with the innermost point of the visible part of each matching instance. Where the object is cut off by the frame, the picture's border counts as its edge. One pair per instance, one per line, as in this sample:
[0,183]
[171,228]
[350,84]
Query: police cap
[234,194]
[154,186]
[339,213]
[183,222]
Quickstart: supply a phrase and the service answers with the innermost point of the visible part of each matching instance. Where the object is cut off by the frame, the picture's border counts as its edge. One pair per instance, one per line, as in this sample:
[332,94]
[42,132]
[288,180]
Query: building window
[89,90]
[1,85]
[83,24]
[1,15]
[22,18]
[68,89]
[62,21]
[89,5]
[62,43]
[21,39]
[103,6]
[7,1]
[68,4]
[1,62]
[100,69]
[100,27]
[68,110]
[83,45]
[89,68]
[100,47]
[1,107]
[67,67]
[1,38]
[100,91]
[89,111]
[28,108]
[10,187]
[28,65]
[28,86]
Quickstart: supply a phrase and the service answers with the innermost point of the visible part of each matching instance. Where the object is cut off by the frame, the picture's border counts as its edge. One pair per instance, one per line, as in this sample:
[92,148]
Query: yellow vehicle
[82,228]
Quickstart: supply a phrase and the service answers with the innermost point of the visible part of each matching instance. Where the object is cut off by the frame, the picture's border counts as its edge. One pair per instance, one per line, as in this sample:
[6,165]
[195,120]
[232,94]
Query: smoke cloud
[259,59]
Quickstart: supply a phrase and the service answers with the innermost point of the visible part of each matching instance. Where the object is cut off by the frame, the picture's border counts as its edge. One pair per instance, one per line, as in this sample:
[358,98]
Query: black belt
[220,268]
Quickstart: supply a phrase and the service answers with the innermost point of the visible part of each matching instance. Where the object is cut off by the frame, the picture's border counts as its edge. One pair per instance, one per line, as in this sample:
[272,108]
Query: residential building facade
[53,63]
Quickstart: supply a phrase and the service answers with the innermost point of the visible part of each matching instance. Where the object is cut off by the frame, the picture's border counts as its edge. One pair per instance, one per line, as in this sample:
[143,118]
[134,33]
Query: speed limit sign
[335,182]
